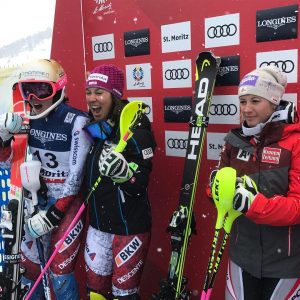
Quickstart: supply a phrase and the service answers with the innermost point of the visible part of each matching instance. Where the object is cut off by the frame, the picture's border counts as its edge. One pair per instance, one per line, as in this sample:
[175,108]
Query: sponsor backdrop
[156,47]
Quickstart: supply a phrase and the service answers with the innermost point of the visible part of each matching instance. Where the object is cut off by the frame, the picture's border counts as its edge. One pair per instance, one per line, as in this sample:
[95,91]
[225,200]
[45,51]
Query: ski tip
[208,56]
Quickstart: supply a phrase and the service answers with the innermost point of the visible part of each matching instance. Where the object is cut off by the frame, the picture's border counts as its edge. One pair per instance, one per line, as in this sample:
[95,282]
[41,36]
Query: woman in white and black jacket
[119,212]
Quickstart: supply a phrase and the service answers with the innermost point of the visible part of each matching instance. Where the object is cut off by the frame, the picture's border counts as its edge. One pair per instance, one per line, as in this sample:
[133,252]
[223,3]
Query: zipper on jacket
[91,183]
[289,241]
[121,199]
[254,144]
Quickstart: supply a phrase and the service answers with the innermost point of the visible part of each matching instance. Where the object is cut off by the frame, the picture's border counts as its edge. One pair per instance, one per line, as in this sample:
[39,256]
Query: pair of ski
[182,222]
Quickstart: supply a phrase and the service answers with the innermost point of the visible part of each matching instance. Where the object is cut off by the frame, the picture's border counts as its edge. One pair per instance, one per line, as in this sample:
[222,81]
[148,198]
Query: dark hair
[118,105]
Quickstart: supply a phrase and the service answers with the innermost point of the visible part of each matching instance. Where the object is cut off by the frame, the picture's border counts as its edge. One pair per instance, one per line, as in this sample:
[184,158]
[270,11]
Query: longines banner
[229,71]
[277,23]
[137,42]
[177,109]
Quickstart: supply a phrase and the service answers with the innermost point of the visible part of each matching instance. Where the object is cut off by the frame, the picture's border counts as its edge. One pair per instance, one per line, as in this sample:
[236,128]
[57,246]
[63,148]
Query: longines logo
[137,42]
[45,136]
[277,23]
[177,109]
[229,71]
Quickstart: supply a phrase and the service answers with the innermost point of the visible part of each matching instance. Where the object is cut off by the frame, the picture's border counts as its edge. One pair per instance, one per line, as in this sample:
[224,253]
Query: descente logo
[296,295]
[45,136]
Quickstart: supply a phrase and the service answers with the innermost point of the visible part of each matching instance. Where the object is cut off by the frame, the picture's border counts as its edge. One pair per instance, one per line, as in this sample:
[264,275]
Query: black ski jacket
[122,209]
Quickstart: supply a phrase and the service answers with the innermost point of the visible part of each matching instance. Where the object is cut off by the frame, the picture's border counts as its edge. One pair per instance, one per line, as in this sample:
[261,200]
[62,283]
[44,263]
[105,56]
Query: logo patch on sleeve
[243,155]
[147,153]
[271,155]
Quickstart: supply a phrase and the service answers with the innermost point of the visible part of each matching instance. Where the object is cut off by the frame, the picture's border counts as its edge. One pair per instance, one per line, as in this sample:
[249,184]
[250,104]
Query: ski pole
[223,189]
[232,215]
[30,172]
[129,118]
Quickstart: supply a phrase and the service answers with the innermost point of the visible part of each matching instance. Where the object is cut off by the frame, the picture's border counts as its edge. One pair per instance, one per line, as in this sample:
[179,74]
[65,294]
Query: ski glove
[113,164]
[44,221]
[10,123]
[244,193]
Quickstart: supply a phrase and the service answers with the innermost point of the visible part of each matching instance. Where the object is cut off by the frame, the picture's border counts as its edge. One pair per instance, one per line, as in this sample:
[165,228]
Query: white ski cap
[267,82]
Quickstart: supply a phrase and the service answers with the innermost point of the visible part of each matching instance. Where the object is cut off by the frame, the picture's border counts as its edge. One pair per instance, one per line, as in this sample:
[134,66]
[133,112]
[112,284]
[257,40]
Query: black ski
[182,223]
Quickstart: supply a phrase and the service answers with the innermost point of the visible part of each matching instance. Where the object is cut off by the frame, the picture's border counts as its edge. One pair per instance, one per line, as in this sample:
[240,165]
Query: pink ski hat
[107,77]
[267,82]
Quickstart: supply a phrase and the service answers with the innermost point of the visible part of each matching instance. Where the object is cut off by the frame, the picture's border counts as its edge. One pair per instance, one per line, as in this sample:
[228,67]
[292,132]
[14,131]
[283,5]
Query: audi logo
[147,110]
[221,31]
[103,47]
[177,143]
[286,66]
[223,109]
[173,74]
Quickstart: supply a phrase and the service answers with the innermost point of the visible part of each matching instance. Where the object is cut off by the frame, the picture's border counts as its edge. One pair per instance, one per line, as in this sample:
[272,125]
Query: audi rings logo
[174,74]
[223,109]
[177,143]
[286,66]
[103,47]
[222,31]
[147,110]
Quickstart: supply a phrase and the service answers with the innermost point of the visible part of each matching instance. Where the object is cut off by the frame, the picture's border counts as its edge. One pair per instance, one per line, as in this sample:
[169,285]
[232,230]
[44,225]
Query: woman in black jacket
[120,218]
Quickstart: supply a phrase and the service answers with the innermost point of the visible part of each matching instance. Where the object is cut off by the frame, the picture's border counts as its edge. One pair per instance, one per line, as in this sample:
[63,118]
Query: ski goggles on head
[41,90]
[100,130]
